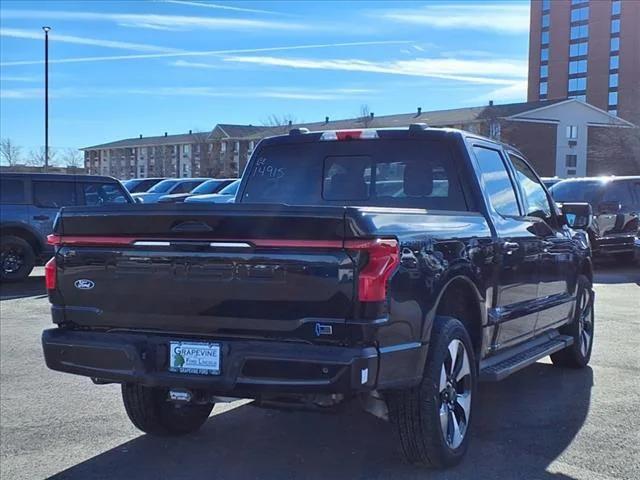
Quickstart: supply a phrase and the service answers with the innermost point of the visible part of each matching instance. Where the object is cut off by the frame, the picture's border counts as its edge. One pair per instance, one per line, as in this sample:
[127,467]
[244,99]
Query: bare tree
[72,158]
[365,115]
[275,120]
[9,152]
[36,157]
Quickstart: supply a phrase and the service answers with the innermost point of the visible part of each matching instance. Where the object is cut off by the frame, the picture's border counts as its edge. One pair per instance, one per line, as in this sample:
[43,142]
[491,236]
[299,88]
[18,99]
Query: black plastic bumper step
[499,367]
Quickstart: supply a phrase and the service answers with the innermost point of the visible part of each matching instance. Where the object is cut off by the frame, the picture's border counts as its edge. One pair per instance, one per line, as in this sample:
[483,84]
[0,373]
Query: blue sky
[123,68]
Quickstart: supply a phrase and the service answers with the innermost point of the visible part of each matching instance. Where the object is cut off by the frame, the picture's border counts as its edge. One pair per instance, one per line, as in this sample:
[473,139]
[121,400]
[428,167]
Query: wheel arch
[460,298]
[24,232]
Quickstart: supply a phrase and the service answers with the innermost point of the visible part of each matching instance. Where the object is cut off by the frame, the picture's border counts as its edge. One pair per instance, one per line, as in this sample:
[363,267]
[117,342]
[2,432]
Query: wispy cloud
[285,93]
[496,17]
[490,72]
[55,37]
[156,21]
[205,53]
[516,91]
[19,78]
[223,7]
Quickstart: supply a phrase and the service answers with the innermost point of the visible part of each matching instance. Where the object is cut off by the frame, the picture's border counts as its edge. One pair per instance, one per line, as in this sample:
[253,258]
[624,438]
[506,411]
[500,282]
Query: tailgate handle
[191,226]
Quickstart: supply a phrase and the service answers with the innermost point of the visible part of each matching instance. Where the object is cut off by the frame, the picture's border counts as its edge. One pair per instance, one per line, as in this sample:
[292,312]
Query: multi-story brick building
[587,49]
[561,137]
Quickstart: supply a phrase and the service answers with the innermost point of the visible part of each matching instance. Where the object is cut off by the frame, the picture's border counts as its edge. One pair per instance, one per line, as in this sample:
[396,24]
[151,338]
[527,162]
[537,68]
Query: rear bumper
[248,368]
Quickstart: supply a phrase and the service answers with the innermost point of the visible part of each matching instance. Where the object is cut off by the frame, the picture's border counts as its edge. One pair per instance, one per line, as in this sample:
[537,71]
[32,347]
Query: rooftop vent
[371,114]
[491,103]
[140,135]
[165,134]
[190,132]
[290,122]
[326,119]
[419,111]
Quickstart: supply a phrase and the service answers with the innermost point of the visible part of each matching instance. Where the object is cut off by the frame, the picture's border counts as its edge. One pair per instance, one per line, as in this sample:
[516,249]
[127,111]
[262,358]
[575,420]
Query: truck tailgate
[230,270]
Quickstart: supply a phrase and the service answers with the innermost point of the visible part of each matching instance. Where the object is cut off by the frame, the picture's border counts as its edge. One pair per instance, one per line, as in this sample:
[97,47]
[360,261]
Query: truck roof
[61,176]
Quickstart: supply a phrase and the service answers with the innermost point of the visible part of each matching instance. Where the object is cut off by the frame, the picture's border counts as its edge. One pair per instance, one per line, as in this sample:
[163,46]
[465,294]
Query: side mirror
[577,215]
[610,208]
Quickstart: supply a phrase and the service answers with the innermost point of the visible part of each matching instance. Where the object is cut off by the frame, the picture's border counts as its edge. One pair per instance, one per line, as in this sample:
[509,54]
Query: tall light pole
[46,97]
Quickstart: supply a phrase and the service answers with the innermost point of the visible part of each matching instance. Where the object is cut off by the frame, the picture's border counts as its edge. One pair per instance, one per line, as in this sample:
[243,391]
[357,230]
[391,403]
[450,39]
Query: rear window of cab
[385,172]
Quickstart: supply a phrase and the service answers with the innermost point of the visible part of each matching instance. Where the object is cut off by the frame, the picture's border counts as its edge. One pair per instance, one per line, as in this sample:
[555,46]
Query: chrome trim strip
[151,244]
[230,245]
[400,347]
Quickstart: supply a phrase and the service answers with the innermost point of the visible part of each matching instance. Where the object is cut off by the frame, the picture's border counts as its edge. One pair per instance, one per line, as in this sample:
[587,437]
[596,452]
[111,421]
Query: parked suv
[29,203]
[397,267]
[615,229]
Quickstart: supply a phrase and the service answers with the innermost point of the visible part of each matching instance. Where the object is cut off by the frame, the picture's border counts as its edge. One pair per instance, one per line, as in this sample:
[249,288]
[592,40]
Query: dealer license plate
[194,357]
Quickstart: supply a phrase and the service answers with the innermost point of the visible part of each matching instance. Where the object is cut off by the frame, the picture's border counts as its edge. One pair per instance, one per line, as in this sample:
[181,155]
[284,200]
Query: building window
[572,132]
[615,26]
[613,99]
[544,71]
[545,20]
[546,5]
[578,2]
[577,66]
[613,80]
[544,55]
[577,84]
[581,97]
[571,161]
[580,14]
[614,62]
[579,31]
[543,88]
[613,111]
[578,49]
[615,7]
[544,37]
[615,44]
[223,147]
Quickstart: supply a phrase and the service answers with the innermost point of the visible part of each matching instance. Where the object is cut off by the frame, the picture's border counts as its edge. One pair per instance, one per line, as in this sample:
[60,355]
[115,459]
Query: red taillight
[50,274]
[384,257]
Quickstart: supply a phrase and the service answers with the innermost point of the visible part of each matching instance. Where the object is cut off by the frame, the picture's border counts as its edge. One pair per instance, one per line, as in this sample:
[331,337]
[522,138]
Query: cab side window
[496,181]
[537,203]
[50,194]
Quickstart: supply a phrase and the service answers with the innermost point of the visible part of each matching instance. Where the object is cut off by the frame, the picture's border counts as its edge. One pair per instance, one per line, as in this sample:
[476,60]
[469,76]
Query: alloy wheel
[12,260]
[585,322]
[455,394]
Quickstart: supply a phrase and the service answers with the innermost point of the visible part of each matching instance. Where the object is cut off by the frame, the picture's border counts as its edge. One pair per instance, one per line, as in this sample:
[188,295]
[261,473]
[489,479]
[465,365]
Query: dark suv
[29,204]
[615,201]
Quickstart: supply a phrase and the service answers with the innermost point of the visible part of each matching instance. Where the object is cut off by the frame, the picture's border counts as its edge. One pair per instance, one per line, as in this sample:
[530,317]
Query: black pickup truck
[395,267]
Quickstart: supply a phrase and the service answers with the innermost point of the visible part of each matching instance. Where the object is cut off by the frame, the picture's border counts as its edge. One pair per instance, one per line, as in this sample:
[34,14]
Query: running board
[504,364]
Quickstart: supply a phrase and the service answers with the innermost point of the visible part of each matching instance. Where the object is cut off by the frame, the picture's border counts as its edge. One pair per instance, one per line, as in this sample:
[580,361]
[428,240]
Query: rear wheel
[17,258]
[578,354]
[433,420]
[150,410]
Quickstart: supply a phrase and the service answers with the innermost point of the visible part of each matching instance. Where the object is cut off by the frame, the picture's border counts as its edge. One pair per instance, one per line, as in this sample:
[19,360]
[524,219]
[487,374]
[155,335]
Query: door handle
[511,247]
[41,217]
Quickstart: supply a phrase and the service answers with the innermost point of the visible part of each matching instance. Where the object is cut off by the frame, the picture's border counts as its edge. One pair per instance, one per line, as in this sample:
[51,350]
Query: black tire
[576,355]
[150,411]
[17,258]
[416,412]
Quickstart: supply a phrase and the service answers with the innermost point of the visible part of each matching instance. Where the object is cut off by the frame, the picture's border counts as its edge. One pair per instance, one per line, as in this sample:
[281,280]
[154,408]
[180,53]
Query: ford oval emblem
[84,284]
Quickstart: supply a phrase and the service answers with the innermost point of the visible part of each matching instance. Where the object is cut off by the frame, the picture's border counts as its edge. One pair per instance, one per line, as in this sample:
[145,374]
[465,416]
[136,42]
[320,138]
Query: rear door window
[94,193]
[51,194]
[618,191]
[12,191]
[385,172]
[496,181]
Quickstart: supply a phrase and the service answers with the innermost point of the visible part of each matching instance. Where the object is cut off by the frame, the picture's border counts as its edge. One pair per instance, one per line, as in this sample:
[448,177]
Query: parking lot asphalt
[541,423]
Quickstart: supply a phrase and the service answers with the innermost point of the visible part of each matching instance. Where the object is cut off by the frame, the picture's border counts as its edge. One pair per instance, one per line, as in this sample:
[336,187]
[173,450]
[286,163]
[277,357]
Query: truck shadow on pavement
[521,426]
[608,271]
[31,287]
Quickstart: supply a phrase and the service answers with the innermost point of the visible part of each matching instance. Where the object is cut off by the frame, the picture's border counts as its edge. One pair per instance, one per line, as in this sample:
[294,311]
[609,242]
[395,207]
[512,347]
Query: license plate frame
[195,358]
